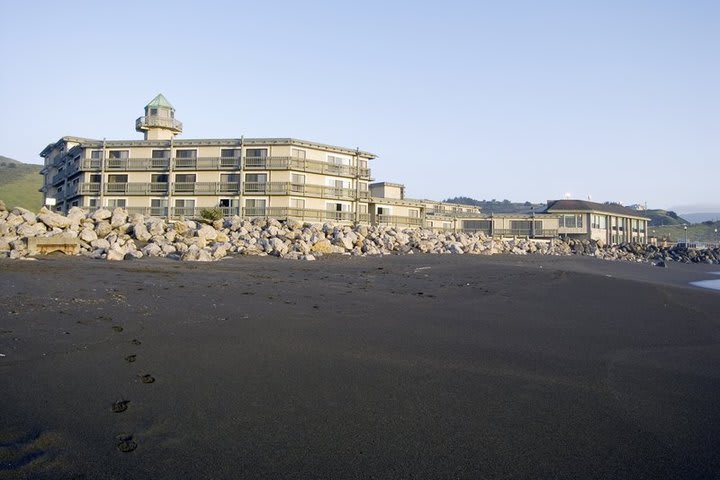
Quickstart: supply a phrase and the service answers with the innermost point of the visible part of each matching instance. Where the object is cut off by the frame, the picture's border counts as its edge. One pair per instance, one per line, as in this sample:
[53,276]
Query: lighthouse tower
[159,121]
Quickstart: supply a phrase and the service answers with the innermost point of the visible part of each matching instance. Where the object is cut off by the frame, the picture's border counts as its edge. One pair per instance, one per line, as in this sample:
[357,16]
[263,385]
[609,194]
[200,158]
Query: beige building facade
[281,178]
[164,176]
[610,223]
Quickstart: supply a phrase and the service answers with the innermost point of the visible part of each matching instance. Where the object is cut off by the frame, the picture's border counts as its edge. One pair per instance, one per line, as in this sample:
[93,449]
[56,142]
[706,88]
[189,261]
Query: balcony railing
[137,163]
[136,188]
[398,220]
[524,232]
[449,213]
[207,163]
[298,213]
[143,123]
[303,165]
[89,188]
[300,189]
[206,188]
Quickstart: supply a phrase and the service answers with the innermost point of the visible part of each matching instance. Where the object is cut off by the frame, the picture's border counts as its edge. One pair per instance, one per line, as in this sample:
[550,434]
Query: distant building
[611,223]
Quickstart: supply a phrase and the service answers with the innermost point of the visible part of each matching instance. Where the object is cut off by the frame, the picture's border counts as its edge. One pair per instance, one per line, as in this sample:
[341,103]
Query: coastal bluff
[119,235]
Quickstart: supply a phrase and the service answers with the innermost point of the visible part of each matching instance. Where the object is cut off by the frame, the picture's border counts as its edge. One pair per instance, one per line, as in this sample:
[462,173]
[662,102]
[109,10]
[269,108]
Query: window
[186,153]
[362,208]
[297,153]
[119,154]
[117,202]
[599,221]
[229,153]
[158,207]
[297,203]
[363,164]
[383,210]
[185,178]
[256,177]
[184,206]
[338,207]
[298,179]
[117,178]
[336,160]
[96,154]
[256,152]
[95,178]
[92,202]
[185,182]
[363,186]
[228,202]
[160,154]
[477,225]
[571,221]
[255,207]
[159,178]
[229,178]
[153,111]
[414,213]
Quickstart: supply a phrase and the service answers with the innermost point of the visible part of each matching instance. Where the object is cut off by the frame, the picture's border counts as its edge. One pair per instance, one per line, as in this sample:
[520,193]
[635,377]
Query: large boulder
[141,232]
[101,214]
[119,217]
[53,219]
[31,229]
[322,246]
[103,229]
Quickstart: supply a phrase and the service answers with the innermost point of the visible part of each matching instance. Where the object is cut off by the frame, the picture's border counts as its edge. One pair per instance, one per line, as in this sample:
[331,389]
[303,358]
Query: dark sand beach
[414,366]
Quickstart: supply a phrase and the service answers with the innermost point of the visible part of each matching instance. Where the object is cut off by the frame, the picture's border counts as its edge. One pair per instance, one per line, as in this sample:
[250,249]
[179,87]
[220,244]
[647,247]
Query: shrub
[211,214]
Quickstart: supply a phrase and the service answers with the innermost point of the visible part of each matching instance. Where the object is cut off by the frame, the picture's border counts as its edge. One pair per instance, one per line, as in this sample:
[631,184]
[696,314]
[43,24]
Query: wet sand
[396,367]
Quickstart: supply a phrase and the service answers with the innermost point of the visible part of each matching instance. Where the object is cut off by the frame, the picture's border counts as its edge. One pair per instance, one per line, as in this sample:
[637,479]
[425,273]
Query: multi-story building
[164,176]
[608,222]
[282,178]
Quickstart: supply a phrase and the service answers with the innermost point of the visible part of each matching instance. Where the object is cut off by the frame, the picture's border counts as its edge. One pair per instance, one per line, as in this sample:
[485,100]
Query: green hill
[19,184]
[705,232]
[659,217]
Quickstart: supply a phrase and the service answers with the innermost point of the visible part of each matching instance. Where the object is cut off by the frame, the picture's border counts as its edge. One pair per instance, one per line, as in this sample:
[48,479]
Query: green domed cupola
[159,121]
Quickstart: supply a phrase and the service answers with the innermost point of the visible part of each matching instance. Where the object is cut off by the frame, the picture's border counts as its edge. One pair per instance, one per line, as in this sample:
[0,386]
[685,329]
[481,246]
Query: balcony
[206,188]
[398,221]
[88,188]
[207,163]
[136,188]
[449,213]
[138,164]
[302,165]
[525,232]
[298,213]
[144,123]
[301,189]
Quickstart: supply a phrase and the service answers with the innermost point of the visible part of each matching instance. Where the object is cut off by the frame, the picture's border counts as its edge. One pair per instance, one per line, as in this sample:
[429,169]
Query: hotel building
[281,178]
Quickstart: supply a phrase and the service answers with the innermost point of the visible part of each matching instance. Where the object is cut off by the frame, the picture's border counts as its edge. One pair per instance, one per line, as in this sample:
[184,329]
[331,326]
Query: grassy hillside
[660,217]
[696,232]
[497,206]
[19,184]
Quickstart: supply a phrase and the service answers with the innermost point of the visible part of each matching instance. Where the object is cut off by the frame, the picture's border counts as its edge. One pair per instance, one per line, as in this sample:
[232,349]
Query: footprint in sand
[135,341]
[120,406]
[131,358]
[117,328]
[125,443]
[147,378]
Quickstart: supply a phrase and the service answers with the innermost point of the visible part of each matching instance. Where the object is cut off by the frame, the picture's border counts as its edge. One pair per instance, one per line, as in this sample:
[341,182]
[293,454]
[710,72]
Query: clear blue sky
[523,100]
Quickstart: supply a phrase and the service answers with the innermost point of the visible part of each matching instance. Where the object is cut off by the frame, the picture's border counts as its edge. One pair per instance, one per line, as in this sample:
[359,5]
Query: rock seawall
[117,235]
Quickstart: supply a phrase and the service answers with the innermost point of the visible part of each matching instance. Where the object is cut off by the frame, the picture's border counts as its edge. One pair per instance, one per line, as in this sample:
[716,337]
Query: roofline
[605,212]
[90,143]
